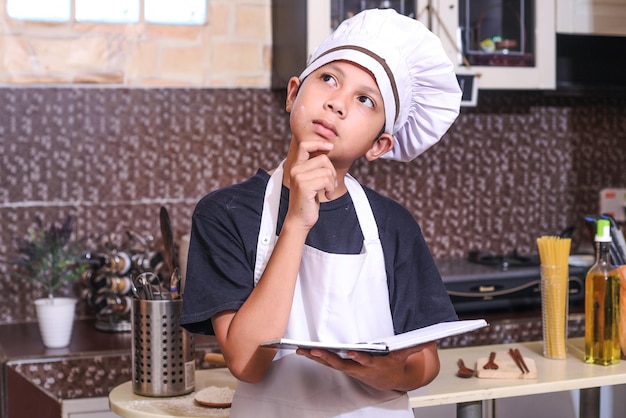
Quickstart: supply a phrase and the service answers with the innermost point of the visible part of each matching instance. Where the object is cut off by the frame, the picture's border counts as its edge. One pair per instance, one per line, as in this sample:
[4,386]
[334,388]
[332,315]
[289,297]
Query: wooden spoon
[491,364]
[215,359]
[464,371]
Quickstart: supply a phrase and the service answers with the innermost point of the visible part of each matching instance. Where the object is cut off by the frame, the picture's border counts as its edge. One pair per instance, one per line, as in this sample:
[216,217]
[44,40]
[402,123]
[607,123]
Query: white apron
[338,297]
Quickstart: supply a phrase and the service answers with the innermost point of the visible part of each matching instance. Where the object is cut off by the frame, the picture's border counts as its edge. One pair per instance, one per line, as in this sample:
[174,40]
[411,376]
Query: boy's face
[341,103]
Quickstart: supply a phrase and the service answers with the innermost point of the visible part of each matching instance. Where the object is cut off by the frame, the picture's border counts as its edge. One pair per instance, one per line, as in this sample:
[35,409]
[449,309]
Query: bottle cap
[603,231]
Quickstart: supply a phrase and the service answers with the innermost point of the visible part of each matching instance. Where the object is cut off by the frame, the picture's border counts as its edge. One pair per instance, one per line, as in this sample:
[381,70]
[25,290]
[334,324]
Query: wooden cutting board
[507,369]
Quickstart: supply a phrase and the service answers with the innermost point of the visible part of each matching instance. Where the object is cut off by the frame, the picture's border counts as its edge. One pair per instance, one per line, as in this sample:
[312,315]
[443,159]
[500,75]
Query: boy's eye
[327,78]
[366,101]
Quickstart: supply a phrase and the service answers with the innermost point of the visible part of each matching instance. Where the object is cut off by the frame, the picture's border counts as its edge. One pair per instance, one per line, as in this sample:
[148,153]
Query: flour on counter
[184,405]
[215,395]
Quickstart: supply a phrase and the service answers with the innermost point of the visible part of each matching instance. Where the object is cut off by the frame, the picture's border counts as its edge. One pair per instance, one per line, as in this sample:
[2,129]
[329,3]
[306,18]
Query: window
[110,11]
[180,12]
[41,10]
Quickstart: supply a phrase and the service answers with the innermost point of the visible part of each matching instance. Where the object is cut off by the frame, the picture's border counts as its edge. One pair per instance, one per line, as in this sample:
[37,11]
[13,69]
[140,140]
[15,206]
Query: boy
[306,252]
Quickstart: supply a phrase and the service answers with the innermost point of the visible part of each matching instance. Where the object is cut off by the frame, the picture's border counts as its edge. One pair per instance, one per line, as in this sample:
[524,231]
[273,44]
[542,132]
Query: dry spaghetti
[554,254]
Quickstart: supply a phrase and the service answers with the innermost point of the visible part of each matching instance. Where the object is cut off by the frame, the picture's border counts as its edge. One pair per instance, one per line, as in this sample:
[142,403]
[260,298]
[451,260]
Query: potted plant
[49,258]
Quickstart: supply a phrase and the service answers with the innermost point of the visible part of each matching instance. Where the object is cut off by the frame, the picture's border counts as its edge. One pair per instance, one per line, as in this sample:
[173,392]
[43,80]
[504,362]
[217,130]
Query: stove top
[494,282]
[504,261]
[486,267]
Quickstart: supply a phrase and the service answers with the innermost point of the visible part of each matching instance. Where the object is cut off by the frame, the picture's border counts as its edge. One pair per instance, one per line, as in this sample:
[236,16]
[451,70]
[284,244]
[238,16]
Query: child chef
[304,251]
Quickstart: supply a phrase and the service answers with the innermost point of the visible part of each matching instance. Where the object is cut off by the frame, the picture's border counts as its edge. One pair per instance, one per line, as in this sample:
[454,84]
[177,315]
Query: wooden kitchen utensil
[491,364]
[215,359]
[464,371]
[519,360]
[507,368]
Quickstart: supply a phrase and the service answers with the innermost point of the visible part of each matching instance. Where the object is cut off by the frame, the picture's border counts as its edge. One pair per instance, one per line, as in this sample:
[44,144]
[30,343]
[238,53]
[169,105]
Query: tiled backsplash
[520,165]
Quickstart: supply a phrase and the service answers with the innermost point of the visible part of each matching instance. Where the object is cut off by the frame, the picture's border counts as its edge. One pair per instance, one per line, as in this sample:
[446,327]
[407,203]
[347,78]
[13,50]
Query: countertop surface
[96,361]
[553,376]
[23,342]
[93,363]
[124,402]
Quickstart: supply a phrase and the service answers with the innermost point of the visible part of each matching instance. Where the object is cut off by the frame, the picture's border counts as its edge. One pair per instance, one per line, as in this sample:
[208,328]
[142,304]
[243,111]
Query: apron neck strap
[269,218]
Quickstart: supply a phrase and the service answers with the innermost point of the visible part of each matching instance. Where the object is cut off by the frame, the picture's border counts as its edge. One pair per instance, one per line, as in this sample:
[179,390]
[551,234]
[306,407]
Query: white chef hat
[420,91]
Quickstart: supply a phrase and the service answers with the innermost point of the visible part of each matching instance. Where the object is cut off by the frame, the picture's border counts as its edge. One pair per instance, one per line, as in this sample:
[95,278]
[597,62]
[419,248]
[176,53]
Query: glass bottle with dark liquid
[602,290]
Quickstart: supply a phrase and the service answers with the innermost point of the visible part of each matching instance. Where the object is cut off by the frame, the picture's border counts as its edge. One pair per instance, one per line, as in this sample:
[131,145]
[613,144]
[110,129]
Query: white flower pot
[56,320]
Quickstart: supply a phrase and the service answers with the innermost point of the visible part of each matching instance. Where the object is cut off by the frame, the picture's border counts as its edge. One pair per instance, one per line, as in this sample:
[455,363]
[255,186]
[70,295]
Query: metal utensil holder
[163,362]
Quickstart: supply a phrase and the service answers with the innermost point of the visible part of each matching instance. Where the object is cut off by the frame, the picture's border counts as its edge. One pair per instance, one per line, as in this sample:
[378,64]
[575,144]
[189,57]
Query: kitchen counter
[23,341]
[126,403]
[93,364]
[552,376]
[96,361]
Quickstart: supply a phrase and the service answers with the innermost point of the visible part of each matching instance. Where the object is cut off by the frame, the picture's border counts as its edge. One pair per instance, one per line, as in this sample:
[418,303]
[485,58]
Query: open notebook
[386,345]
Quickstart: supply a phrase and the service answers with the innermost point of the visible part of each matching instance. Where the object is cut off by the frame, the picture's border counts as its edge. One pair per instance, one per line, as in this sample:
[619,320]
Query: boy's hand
[311,174]
[404,370]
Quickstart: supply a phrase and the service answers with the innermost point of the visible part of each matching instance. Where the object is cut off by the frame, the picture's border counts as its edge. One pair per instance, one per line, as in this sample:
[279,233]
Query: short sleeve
[222,251]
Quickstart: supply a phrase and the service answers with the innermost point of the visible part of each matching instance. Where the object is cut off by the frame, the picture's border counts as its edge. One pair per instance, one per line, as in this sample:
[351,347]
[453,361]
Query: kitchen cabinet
[597,17]
[87,408]
[24,398]
[71,382]
[300,25]
[508,44]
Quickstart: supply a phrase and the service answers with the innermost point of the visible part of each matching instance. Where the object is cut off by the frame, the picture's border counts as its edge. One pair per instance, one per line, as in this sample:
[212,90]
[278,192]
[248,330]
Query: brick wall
[233,49]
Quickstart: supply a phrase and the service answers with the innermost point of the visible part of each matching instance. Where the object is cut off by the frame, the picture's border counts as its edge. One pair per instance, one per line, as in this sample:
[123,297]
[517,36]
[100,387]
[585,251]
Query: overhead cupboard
[506,44]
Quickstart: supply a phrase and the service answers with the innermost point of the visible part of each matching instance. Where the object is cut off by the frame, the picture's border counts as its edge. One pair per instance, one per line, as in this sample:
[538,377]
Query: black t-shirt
[222,254]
